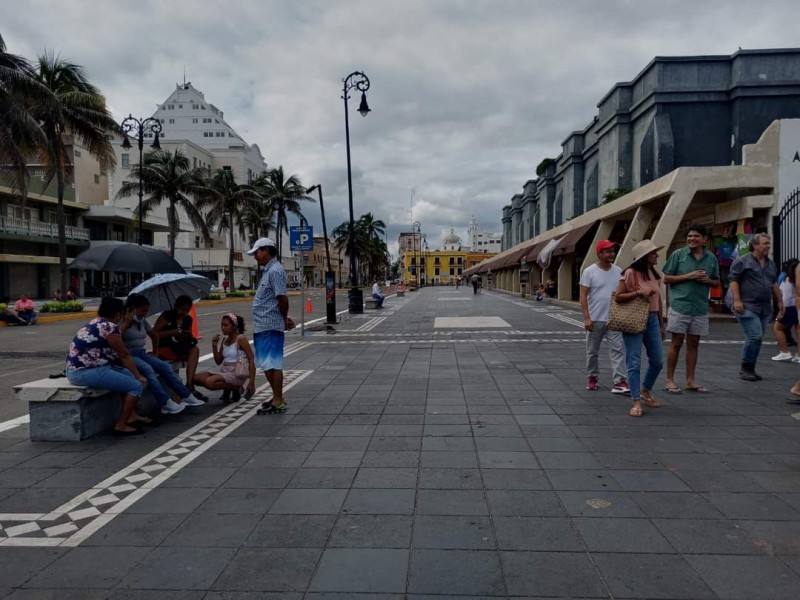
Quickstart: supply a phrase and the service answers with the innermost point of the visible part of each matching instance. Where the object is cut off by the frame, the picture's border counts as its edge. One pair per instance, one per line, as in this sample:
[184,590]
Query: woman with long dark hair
[230,347]
[643,280]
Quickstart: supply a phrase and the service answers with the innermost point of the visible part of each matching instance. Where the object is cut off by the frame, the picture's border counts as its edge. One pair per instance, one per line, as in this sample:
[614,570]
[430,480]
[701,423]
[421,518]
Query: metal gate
[787,232]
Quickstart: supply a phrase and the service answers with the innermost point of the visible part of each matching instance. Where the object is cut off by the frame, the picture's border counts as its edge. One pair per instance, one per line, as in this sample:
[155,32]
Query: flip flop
[793,398]
[636,411]
[673,390]
[700,389]
[648,399]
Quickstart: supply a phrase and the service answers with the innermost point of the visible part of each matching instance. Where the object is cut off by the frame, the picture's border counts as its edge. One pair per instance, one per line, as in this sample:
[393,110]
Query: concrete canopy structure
[657,211]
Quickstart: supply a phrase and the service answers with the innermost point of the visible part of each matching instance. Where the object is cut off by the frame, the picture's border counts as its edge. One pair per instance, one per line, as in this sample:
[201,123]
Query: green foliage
[542,166]
[236,294]
[62,307]
[213,296]
[612,194]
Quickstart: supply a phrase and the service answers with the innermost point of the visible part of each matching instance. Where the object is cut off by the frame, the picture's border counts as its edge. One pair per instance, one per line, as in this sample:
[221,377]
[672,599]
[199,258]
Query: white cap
[261,243]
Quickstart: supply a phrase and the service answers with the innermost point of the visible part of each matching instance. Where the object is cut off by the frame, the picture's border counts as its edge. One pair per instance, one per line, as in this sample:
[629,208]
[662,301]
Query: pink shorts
[227,373]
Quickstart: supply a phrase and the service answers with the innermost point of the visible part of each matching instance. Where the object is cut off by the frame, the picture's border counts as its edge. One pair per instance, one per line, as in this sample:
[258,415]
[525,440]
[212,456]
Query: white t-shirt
[376,289]
[601,285]
[787,291]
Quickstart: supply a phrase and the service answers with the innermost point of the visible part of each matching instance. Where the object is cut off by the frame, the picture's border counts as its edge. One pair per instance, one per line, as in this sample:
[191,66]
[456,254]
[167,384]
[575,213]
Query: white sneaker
[172,408]
[782,356]
[796,359]
[190,400]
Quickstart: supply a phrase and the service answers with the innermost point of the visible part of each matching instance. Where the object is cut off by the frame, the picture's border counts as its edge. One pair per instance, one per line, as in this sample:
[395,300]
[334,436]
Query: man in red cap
[598,282]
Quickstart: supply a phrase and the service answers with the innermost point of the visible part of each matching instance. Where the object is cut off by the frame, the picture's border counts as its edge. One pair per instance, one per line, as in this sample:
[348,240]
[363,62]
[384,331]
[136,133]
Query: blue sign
[301,238]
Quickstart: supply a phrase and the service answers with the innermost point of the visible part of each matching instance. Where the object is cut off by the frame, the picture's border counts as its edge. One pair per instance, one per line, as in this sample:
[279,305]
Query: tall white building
[198,128]
[481,240]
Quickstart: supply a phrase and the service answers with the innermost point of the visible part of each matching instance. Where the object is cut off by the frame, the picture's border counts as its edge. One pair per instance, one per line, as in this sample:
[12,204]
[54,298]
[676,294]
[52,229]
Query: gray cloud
[467,96]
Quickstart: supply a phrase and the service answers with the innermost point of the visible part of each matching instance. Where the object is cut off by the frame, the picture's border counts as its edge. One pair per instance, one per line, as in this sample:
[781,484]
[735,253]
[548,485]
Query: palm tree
[167,177]
[370,250]
[226,203]
[259,219]
[73,106]
[20,134]
[284,196]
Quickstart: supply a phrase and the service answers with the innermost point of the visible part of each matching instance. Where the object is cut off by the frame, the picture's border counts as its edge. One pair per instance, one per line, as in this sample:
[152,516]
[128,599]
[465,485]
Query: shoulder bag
[628,317]
[242,368]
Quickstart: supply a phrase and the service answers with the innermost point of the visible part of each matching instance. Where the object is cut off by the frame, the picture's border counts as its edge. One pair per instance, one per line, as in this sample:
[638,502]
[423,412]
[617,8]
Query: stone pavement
[444,447]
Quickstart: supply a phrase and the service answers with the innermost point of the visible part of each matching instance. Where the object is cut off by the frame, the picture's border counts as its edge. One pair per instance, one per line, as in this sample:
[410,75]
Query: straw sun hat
[644,248]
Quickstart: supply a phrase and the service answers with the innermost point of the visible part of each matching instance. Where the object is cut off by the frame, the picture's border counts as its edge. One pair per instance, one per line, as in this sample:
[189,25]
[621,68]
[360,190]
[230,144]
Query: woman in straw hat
[642,280]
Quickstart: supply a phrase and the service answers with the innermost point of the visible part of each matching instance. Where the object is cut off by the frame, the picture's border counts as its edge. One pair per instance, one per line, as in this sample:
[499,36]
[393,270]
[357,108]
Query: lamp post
[415,228]
[137,128]
[359,81]
[330,283]
[425,255]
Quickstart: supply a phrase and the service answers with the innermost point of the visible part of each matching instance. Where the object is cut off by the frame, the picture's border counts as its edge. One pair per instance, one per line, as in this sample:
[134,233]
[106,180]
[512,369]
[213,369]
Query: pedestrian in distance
[643,280]
[753,287]
[689,272]
[475,280]
[784,326]
[377,294]
[270,320]
[598,282]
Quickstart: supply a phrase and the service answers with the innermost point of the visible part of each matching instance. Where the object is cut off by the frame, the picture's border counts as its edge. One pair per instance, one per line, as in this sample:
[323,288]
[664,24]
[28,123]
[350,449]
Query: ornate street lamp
[137,128]
[359,81]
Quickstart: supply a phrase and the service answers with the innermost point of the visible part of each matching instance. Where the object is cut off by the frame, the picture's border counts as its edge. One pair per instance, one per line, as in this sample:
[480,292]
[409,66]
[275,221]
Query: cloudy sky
[467,96]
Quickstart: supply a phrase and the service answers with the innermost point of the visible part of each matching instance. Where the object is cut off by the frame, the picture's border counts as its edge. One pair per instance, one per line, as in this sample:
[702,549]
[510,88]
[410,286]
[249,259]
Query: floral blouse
[89,348]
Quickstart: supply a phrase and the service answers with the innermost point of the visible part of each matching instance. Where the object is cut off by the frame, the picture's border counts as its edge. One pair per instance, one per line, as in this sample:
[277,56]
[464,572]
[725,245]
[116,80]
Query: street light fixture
[330,283]
[359,81]
[137,128]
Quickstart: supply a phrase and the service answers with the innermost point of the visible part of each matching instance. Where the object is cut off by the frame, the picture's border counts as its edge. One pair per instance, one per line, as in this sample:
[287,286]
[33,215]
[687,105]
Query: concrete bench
[370,303]
[62,412]
[401,293]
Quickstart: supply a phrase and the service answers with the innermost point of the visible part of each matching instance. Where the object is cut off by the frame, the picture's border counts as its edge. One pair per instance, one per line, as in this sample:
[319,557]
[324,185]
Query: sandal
[648,399]
[673,389]
[636,411]
[700,389]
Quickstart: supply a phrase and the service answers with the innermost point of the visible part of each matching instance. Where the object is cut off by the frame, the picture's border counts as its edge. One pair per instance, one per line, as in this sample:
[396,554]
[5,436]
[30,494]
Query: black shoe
[226,396]
[197,394]
[236,396]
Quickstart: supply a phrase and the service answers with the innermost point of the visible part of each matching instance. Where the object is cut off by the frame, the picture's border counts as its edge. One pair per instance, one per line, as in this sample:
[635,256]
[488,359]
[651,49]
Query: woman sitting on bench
[98,358]
[174,341]
[135,329]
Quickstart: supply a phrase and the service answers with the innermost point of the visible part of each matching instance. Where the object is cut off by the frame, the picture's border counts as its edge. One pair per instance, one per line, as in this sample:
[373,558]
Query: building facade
[691,111]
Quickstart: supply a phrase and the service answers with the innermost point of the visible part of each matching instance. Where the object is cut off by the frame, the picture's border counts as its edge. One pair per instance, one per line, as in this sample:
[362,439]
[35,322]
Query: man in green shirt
[689,273]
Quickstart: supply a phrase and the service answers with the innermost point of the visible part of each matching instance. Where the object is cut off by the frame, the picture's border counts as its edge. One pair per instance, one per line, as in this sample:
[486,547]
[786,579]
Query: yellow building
[438,267]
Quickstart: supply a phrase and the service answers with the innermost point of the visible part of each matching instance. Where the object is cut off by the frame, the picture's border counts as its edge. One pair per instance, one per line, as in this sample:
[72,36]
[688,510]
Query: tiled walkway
[444,447]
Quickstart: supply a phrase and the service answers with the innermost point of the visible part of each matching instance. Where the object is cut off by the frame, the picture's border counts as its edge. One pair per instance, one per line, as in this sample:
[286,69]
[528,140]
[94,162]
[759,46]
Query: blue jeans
[754,325]
[378,300]
[152,368]
[651,339]
[116,379]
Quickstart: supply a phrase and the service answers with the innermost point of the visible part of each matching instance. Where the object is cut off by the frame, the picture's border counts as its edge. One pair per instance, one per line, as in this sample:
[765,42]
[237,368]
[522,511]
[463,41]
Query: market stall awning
[569,241]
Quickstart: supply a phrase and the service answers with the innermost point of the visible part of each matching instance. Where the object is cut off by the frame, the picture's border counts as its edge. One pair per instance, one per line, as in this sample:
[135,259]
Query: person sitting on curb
[174,340]
[10,317]
[377,294]
[230,347]
[135,330]
[24,308]
[98,358]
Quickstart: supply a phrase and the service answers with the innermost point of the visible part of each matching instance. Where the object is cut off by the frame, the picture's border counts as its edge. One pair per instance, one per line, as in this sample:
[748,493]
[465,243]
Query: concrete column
[603,231]
[565,277]
[642,219]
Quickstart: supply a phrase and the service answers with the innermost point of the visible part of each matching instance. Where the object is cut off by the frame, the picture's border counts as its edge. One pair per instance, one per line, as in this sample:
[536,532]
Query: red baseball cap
[603,245]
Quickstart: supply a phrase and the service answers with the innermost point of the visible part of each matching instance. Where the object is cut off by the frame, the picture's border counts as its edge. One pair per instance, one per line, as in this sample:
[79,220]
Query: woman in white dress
[230,347]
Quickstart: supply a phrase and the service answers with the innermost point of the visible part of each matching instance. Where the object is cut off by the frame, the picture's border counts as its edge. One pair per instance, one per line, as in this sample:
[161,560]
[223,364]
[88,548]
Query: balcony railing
[40,229]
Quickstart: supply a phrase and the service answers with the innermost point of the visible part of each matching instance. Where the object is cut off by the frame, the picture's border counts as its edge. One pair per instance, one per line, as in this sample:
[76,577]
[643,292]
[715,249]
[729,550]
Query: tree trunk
[62,229]
[173,228]
[230,254]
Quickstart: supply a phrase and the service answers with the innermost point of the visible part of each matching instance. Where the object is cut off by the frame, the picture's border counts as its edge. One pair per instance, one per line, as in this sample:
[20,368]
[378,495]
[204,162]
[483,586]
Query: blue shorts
[268,350]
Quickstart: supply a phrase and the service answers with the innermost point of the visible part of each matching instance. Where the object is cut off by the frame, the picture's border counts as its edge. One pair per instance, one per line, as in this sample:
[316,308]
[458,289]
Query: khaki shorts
[687,324]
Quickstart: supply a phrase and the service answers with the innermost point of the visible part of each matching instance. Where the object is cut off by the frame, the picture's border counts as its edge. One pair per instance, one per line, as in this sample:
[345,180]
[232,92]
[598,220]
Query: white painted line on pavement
[6,425]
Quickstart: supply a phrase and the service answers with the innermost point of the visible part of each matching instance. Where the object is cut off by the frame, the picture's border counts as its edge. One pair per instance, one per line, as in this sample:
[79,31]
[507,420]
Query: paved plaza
[443,447]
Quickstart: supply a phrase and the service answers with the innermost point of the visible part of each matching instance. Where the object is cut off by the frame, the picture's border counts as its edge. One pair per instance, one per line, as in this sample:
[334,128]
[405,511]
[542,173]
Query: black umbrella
[127,258]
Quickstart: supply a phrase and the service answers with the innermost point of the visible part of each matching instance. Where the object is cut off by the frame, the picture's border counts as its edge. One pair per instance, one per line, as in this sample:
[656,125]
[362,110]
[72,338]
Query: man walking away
[475,280]
[598,282]
[690,272]
[270,320]
[753,285]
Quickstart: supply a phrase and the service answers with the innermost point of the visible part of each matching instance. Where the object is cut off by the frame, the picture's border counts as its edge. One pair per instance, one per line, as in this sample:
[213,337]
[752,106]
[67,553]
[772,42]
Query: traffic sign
[301,237]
